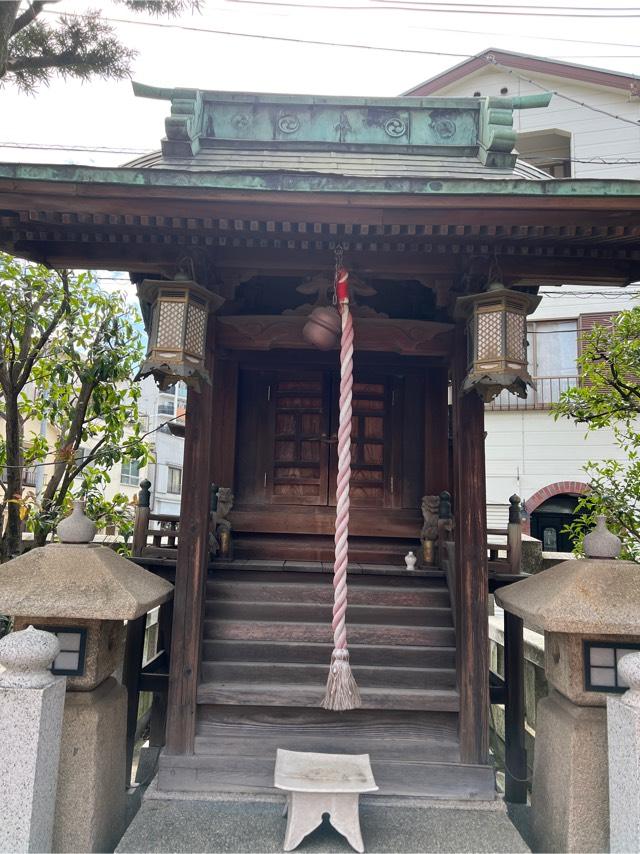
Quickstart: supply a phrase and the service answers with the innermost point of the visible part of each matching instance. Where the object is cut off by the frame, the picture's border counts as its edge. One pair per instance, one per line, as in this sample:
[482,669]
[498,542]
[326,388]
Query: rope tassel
[342,692]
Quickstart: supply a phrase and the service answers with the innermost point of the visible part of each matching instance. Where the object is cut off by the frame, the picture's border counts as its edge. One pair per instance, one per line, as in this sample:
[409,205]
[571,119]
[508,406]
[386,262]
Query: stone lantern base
[570,797]
[91,805]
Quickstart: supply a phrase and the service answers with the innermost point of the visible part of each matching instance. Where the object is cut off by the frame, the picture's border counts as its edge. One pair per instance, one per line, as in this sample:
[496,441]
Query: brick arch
[563,487]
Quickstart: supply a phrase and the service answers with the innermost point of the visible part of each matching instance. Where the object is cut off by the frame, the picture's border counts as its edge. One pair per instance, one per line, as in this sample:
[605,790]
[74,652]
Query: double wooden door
[287,432]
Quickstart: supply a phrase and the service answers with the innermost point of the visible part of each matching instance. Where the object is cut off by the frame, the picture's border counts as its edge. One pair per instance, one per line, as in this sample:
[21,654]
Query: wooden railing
[153,533]
[547,392]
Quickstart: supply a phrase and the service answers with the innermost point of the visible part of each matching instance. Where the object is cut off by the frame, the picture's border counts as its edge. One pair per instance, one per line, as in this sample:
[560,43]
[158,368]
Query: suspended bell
[323,328]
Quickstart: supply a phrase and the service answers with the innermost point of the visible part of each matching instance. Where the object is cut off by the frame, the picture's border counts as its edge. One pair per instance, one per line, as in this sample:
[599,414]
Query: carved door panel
[298,470]
[372,477]
[287,439]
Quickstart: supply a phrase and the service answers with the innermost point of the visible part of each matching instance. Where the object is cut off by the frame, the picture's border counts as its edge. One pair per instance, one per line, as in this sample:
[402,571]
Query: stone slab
[91,807]
[242,824]
[30,728]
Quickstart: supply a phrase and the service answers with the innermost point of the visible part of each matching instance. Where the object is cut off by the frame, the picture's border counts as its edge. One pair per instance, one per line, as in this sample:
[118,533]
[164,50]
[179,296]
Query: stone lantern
[497,340]
[589,611]
[83,592]
[177,314]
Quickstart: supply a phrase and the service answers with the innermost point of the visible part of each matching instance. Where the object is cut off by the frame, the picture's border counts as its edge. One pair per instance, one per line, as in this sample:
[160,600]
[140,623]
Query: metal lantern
[177,314]
[497,340]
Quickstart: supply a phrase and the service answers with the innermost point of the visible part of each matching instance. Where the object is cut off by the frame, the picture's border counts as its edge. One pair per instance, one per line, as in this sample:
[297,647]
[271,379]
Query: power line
[291,39]
[106,149]
[492,61]
[444,8]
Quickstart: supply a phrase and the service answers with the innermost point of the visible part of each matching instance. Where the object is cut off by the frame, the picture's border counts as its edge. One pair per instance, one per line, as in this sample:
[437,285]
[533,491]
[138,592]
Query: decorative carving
[343,127]
[241,122]
[288,123]
[429,533]
[268,332]
[220,541]
[445,128]
[395,127]
[322,285]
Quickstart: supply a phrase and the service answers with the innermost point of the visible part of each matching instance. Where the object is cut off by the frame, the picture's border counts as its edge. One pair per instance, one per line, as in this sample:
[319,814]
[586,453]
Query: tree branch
[47,333]
[29,15]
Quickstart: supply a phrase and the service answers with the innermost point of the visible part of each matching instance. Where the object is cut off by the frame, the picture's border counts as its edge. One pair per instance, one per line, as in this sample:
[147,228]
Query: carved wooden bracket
[405,337]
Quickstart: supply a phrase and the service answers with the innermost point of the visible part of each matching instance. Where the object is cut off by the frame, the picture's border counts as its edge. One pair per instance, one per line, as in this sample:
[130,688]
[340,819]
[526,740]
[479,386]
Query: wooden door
[287,439]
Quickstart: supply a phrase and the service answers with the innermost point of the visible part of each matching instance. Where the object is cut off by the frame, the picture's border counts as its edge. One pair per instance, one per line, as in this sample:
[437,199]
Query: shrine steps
[412,754]
[266,650]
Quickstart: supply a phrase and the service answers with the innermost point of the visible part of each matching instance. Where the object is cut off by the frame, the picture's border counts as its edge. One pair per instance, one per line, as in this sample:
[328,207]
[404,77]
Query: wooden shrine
[249,198]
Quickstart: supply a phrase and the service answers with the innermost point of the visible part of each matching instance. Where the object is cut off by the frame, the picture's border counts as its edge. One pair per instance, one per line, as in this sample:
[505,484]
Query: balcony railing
[547,392]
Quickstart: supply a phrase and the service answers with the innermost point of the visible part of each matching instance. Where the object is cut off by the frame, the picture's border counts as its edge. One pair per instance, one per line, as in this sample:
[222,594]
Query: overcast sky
[174,54]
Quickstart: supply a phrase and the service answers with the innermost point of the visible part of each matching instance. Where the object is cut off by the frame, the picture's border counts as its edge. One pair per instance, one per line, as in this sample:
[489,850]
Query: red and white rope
[344,477]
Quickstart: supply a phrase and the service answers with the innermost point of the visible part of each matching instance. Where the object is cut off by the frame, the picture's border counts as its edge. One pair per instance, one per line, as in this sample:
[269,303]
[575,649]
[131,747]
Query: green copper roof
[480,129]
[190,183]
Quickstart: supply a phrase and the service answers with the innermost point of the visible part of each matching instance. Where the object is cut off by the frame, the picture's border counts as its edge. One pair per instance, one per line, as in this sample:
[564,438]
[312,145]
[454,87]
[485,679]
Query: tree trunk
[11,543]
[8,13]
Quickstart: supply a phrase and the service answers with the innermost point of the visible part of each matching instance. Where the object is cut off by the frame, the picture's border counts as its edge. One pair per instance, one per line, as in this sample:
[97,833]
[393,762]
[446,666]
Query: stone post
[31,711]
[623,730]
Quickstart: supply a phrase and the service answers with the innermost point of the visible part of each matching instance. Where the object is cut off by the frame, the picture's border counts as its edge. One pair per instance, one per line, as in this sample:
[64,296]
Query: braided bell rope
[342,692]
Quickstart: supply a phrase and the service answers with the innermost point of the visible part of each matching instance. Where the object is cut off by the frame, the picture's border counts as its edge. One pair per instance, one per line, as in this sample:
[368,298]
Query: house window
[130,473]
[29,476]
[174,480]
[549,150]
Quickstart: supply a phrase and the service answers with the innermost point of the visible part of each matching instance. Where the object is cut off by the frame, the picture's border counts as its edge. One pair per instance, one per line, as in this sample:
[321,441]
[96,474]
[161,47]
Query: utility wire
[290,39]
[105,149]
[492,61]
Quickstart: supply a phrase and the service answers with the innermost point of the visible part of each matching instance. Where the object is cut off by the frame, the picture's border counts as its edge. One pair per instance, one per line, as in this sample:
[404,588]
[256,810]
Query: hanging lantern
[177,313]
[497,340]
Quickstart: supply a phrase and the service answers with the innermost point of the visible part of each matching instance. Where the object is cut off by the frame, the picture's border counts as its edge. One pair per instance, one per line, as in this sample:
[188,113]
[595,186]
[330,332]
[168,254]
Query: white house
[162,410]
[590,130]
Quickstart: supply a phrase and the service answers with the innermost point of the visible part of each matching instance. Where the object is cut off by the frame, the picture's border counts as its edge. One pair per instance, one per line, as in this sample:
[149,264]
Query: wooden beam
[225,413]
[191,567]
[436,454]
[471,563]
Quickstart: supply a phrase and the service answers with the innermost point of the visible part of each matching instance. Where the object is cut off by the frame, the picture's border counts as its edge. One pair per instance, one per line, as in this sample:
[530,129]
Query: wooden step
[389,675]
[238,773]
[320,653]
[304,632]
[296,694]
[290,612]
[399,735]
[429,594]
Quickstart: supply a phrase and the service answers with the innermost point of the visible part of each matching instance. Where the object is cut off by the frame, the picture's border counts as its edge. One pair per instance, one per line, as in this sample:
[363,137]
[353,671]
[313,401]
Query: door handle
[328,440]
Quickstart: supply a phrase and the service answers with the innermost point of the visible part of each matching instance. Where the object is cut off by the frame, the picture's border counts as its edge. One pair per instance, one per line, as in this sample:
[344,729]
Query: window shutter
[586,322]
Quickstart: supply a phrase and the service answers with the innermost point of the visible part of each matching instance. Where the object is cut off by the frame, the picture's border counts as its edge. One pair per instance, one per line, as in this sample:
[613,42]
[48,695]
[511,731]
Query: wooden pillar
[191,565]
[471,563]
[436,456]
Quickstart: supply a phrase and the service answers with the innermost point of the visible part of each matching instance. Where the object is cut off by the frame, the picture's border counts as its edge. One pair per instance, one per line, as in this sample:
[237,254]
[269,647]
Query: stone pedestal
[31,704]
[569,801]
[90,808]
